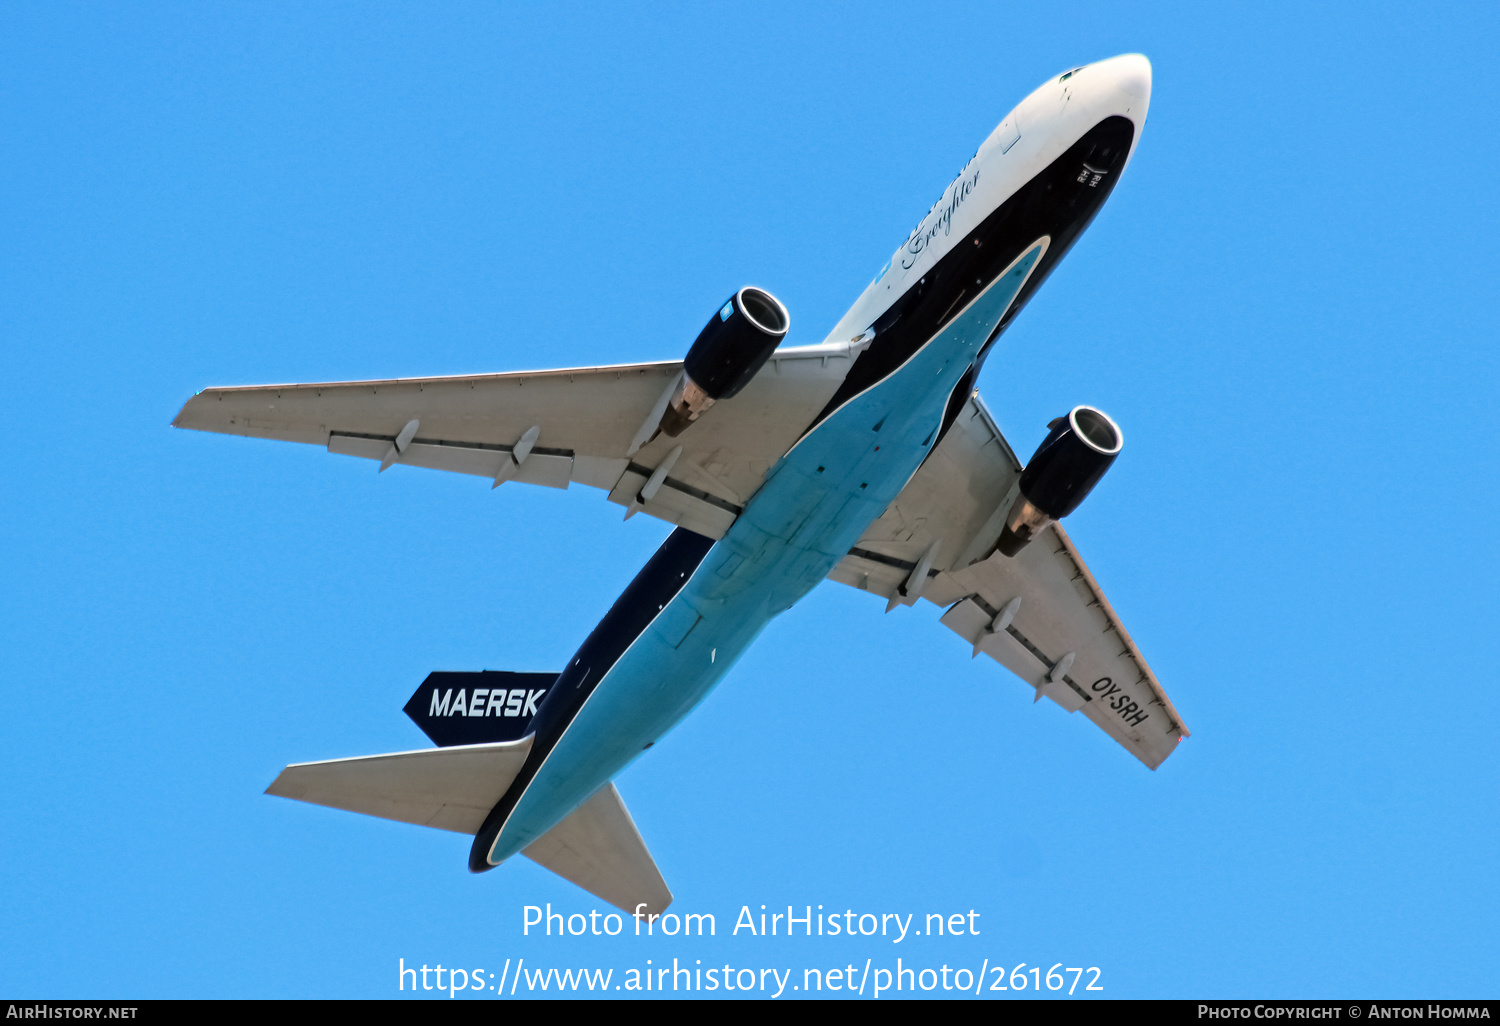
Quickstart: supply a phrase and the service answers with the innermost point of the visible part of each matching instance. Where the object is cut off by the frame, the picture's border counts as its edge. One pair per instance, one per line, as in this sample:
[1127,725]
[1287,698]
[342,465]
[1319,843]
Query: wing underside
[593,426]
[1041,613]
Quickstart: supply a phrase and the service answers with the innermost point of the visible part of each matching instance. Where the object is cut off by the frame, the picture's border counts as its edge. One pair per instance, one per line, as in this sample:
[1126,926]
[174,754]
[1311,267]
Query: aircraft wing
[590,425]
[1063,638]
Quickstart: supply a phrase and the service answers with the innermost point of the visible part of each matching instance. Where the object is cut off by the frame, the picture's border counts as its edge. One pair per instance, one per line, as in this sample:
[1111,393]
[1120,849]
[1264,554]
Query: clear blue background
[1289,305]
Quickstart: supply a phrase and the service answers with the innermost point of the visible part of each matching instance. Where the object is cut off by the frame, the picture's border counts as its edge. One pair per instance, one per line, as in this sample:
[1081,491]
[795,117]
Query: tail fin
[476,708]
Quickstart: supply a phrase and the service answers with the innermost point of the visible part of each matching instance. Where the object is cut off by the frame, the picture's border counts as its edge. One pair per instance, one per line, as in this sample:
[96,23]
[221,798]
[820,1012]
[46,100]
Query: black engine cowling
[1077,451]
[735,344]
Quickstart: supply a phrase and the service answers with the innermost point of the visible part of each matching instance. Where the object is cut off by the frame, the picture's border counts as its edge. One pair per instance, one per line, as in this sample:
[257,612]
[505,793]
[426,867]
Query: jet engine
[735,344]
[1077,451]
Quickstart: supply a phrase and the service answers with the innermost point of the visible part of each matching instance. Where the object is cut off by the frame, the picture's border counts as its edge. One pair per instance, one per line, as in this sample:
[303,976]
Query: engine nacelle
[1077,451]
[735,344]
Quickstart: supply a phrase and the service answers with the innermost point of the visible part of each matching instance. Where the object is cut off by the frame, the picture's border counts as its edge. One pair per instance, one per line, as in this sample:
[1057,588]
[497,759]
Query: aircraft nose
[1131,73]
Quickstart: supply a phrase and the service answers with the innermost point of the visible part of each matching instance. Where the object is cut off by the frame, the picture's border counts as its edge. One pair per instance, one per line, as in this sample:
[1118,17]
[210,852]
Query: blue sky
[1288,305]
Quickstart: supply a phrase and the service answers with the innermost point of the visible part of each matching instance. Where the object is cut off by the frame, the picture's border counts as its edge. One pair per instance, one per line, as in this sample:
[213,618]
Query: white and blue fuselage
[926,322]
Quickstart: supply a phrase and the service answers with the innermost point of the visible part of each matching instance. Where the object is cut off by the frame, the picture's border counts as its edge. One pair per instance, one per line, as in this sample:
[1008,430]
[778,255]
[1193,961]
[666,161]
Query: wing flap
[551,470]
[447,788]
[677,502]
[599,848]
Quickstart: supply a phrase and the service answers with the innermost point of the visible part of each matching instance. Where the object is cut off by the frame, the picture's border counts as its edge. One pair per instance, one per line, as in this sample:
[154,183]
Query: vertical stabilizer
[477,708]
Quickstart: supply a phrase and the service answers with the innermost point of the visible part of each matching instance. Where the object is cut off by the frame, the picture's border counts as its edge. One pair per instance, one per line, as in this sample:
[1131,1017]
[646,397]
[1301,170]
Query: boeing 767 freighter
[868,459]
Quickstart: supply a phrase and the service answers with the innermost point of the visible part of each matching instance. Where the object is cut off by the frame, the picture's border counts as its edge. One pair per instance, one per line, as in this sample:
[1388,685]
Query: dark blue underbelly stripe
[1052,204]
[657,584]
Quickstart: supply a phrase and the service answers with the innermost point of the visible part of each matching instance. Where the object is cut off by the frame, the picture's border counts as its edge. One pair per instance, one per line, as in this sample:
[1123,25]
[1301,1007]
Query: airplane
[868,459]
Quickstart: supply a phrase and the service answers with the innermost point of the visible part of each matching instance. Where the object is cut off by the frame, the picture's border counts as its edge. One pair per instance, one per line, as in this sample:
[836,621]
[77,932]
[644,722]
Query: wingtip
[177,419]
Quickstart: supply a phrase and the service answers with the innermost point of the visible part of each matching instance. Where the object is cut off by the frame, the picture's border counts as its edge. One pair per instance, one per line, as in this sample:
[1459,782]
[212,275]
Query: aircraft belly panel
[815,504]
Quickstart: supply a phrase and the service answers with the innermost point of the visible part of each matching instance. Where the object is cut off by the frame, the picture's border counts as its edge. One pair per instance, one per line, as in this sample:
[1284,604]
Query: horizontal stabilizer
[448,788]
[477,708]
[599,849]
